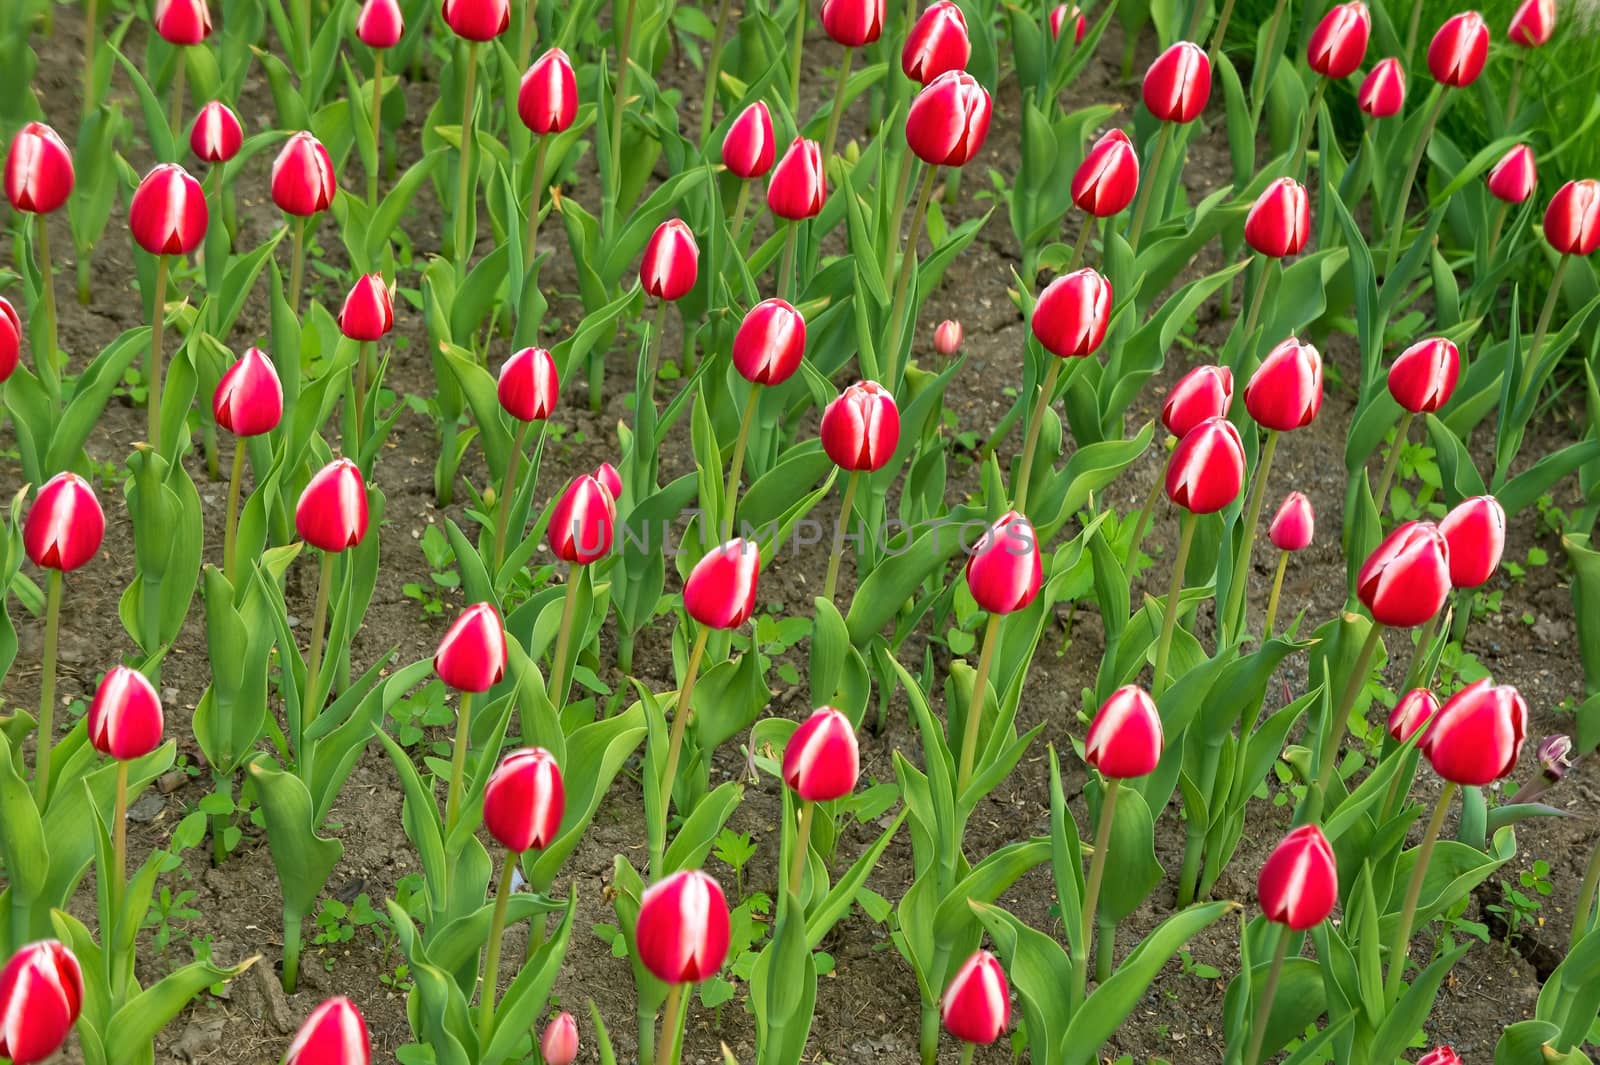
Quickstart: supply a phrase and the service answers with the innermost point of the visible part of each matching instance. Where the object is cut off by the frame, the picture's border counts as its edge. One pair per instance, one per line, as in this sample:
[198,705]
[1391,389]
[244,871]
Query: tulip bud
[1383,90]
[1108,178]
[797,188]
[1204,392]
[770,343]
[947,337]
[749,149]
[1058,18]
[822,761]
[477,20]
[559,1045]
[168,212]
[1285,392]
[472,655]
[528,387]
[1412,713]
[949,119]
[853,23]
[380,24]
[1424,375]
[1072,313]
[582,524]
[65,524]
[1339,43]
[1440,1056]
[1405,581]
[182,22]
[1292,528]
[937,42]
[216,135]
[1478,733]
[332,511]
[1206,469]
[1125,739]
[1299,883]
[39,174]
[1279,222]
[682,934]
[671,261]
[1572,221]
[1475,532]
[334,1034]
[125,717]
[302,177]
[1178,83]
[1554,760]
[1458,51]
[10,339]
[977,1002]
[607,475]
[368,311]
[721,590]
[1533,23]
[1004,571]
[249,398]
[524,801]
[861,429]
[1514,177]
[41,995]
[547,102]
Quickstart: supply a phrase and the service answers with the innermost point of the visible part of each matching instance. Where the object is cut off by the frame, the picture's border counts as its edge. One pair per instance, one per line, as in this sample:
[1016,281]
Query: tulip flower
[1290,531]
[1279,222]
[1532,25]
[1404,581]
[380,25]
[1459,49]
[366,317]
[1058,18]
[947,337]
[1204,392]
[796,191]
[607,475]
[39,177]
[1572,220]
[248,402]
[559,1044]
[1513,178]
[748,149]
[1175,90]
[1383,90]
[1069,319]
[41,995]
[528,390]
[820,764]
[1475,532]
[125,723]
[767,351]
[1424,375]
[476,22]
[580,532]
[182,24]
[1298,887]
[331,515]
[976,1007]
[471,659]
[1412,713]
[1441,1055]
[547,103]
[216,135]
[671,261]
[1107,180]
[854,24]
[1004,573]
[168,216]
[10,339]
[938,42]
[303,185]
[682,935]
[860,432]
[334,1034]
[1554,757]
[1339,43]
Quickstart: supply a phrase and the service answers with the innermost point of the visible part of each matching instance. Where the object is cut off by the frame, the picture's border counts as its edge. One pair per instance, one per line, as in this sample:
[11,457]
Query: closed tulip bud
[853,23]
[182,22]
[949,119]
[472,655]
[524,801]
[947,337]
[1125,739]
[937,42]
[1424,375]
[1478,734]
[861,429]
[797,188]
[1072,313]
[39,174]
[1476,534]
[334,1034]
[216,135]
[547,102]
[167,213]
[125,717]
[1299,883]
[821,761]
[10,339]
[1105,183]
[1533,23]
[682,933]
[528,387]
[1411,714]
[1204,392]
[368,311]
[1554,757]
[1383,90]
[65,524]
[770,342]
[559,1044]
[1058,18]
[1178,83]
[249,398]
[1285,392]
[1405,580]
[1458,51]
[477,20]
[1339,43]
[1572,221]
[1279,222]
[671,261]
[1514,177]
[977,1002]
[1004,571]
[1294,524]
[1440,1056]
[607,475]
[332,511]
[749,148]
[721,590]
[380,24]
[302,177]
[583,522]
[41,995]
[1206,469]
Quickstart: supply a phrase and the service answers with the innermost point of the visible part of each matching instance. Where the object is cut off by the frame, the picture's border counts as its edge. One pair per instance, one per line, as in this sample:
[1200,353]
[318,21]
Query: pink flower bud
[1424,375]
[1459,49]
[1285,392]
[1178,83]
[1279,222]
[947,337]
[1107,180]
[1404,582]
[1004,571]
[1515,176]
[528,387]
[216,135]
[583,523]
[1478,734]
[797,188]
[1475,532]
[303,183]
[547,101]
[671,261]
[861,429]
[1294,524]
[472,655]
[721,590]
[1206,469]
[65,524]
[167,213]
[1204,392]
[125,719]
[937,43]
[977,1003]
[1299,883]
[1412,712]
[332,511]
[949,119]
[41,995]
[749,149]
[334,1034]
[1125,738]
[682,932]
[1383,90]
[1072,313]
[524,801]
[249,398]
[770,343]
[368,311]
[39,174]
[822,761]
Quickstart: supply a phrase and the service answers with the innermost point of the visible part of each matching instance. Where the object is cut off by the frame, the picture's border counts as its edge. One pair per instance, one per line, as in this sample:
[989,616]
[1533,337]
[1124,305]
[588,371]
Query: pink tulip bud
[1058,18]
[1515,176]
[524,801]
[528,387]
[861,429]
[1405,581]
[125,717]
[1424,375]
[1339,43]
[303,183]
[749,149]
[682,934]
[1555,757]
[1383,90]
[721,590]
[472,655]
[770,343]
[797,188]
[368,311]
[1105,183]
[1478,734]
[478,20]
[1204,392]
[65,524]
[334,1034]
[1412,713]
[39,174]
[977,1002]
[1299,883]
[853,23]
[167,213]
[607,475]
[671,261]
[1572,221]
[1533,23]
[182,22]
[947,337]
[10,339]
[1285,392]
[1178,83]
[949,119]
[1475,532]
[822,761]
[547,102]
[1279,222]
[380,24]
[332,511]
[1440,1056]
[1125,739]
[1072,313]
[1458,51]
[583,522]
[938,42]
[41,995]
[1004,571]
[1292,528]
[216,135]
[559,1045]
[249,398]
[1206,469]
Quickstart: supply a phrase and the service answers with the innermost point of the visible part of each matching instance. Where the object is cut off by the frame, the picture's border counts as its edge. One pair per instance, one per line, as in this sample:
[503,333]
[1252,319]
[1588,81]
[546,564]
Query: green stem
[897,209]
[363,368]
[158,318]
[526,34]
[740,205]
[1097,863]
[619,99]
[736,467]
[175,114]
[47,690]
[1312,807]
[465,195]
[1495,229]
[305,31]
[1262,76]
[1513,93]
[319,618]
[1252,317]
[291,953]
[1411,35]
[45,360]
[1272,600]
[1540,330]
[1220,31]
[786,263]
[1233,614]
[1146,510]
[708,98]
[832,580]
[377,127]
[966,1053]
[531,244]
[1047,390]
[458,765]
[1171,610]
[796,51]
[1419,657]
[507,497]
[118,885]
[1586,894]
[831,136]
[91,26]
[680,718]
[908,266]
[221,785]
[672,1026]
[491,953]
[1258,1026]
[802,847]
[980,690]
[558,665]
[1152,167]
[1401,945]
[297,264]
[230,521]
[1398,224]
[1304,143]
[1080,244]
[1392,463]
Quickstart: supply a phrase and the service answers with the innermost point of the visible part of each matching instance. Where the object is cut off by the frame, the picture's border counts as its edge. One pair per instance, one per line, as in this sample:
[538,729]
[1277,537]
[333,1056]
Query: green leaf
[303,859]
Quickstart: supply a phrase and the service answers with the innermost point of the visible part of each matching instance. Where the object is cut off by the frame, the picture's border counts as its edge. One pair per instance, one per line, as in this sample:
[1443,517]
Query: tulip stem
[1586,894]
[466,196]
[619,100]
[175,114]
[1411,34]
[1171,610]
[1304,143]
[680,719]
[1047,390]
[1392,463]
[526,35]
[377,127]
[558,663]
[1081,243]
[796,51]
[980,689]
[708,98]
[491,953]
[534,198]
[1220,31]
[47,690]
[740,205]
[802,848]
[837,113]
[45,360]
[507,495]
[908,266]
[1272,600]
[1416,672]
[158,318]
[1495,229]
[1252,317]
[966,1053]
[1233,614]
[1097,872]
[297,264]
[91,23]
[786,264]
[1146,509]
[672,1027]
[897,208]
[319,617]
[230,521]
[1262,77]
[1151,168]
[1311,807]
[1408,910]
[736,467]
[363,383]
[1398,223]
[458,766]
[832,580]
[116,885]
[1269,991]
[1530,362]
[1513,92]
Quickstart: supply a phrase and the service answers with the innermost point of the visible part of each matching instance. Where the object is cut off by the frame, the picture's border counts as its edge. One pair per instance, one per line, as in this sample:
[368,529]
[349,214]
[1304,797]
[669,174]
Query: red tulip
[1572,221]
[1514,177]
[947,337]
[770,342]
[1279,222]
[671,261]
[332,511]
[1206,469]
[380,24]
[977,1002]
[937,42]
[1424,375]
[607,475]
[1383,90]
[39,174]
[1004,571]
[334,1034]
[1405,581]
[216,135]
[1058,18]
[1072,313]
[477,20]
[547,102]
[1125,739]
[65,524]
[721,590]
[182,22]
[1178,83]
[1458,51]
[822,761]
[125,717]
[861,429]
[682,934]
[249,398]
[582,523]
[528,387]
[853,23]
[1411,714]
[1339,43]
[1204,392]
[797,188]
[368,311]
[1285,392]
[1105,183]
[1475,532]
[1292,528]
[1299,883]
[10,339]
[749,149]
[472,655]
[1532,26]
[1440,1056]
[168,212]
[949,119]
[559,1044]
[1478,734]
[524,801]
[302,177]
[41,995]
